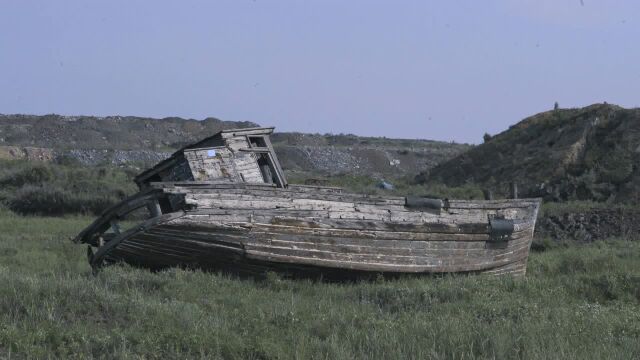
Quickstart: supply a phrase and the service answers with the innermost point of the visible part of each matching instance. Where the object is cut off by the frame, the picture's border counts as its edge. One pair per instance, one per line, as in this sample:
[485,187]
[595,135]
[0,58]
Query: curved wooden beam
[120,209]
[96,259]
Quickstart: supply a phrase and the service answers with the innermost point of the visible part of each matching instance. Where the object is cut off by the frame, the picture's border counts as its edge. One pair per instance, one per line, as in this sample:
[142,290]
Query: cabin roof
[230,133]
[224,134]
[254,130]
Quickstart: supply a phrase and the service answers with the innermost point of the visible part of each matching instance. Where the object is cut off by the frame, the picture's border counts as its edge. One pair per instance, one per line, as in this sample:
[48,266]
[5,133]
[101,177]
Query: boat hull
[331,234]
[298,250]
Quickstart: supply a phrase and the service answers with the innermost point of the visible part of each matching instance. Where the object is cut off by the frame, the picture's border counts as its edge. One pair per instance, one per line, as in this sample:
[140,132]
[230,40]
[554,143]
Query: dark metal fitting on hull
[424,204]
[500,229]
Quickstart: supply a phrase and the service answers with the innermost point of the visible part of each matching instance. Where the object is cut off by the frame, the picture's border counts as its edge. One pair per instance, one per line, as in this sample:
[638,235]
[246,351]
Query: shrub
[617,169]
[51,200]
[54,189]
[34,174]
[67,160]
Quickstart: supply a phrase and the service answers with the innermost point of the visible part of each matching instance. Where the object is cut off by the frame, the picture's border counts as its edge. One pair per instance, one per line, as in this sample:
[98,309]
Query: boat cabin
[237,155]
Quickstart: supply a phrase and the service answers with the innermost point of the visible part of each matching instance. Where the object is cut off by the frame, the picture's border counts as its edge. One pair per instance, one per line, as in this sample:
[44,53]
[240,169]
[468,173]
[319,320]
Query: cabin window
[257,141]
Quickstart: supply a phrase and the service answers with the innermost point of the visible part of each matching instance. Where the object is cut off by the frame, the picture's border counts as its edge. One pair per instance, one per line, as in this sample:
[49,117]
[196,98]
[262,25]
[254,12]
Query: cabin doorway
[269,167]
[265,169]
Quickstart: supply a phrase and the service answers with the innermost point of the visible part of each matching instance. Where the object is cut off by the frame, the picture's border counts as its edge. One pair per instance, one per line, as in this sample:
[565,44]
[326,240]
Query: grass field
[576,302]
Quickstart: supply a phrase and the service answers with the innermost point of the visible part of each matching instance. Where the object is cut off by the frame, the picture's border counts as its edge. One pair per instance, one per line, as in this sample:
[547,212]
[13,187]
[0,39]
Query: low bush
[51,200]
[56,189]
[35,174]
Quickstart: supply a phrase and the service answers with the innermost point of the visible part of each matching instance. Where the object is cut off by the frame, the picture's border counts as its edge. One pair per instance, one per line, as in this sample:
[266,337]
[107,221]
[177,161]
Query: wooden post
[514,190]
[154,208]
[488,194]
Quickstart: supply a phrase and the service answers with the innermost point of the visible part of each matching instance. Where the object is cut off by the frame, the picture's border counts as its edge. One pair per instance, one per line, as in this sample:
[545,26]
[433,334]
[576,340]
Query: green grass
[575,303]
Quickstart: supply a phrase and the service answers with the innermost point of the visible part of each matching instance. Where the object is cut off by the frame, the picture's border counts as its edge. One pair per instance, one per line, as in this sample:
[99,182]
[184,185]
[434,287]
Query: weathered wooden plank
[256,204]
[336,210]
[133,246]
[377,211]
[186,246]
[387,247]
[233,133]
[314,187]
[187,185]
[481,260]
[260,242]
[201,240]
[272,191]
[371,266]
[452,204]
[353,224]
[370,235]
[492,204]
[240,218]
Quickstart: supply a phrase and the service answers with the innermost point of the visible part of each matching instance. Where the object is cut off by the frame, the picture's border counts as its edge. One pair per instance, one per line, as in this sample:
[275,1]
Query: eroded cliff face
[572,154]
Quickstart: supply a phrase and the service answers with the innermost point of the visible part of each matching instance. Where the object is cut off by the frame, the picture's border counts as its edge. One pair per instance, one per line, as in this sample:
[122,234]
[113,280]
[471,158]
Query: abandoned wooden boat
[224,203]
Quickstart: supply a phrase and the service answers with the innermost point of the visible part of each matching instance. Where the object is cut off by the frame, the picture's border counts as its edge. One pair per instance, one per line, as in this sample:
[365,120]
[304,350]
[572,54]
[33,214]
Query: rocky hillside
[592,153]
[106,133]
[335,154]
[121,140]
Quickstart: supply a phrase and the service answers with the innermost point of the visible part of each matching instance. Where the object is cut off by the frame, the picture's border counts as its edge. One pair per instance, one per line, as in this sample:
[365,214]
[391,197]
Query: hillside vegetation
[592,153]
[575,303]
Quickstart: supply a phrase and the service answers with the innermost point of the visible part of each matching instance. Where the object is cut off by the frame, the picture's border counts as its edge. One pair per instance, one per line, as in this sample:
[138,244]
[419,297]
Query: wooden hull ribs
[254,228]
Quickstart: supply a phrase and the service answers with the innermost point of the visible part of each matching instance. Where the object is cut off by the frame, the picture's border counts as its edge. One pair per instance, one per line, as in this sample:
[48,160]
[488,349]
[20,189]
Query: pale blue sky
[445,70]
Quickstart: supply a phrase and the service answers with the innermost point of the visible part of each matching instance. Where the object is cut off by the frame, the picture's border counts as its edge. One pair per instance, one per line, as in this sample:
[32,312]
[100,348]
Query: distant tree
[486,137]
[556,106]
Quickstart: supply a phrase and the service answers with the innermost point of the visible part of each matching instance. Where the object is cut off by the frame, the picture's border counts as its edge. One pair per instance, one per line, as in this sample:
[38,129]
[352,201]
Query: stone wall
[591,225]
